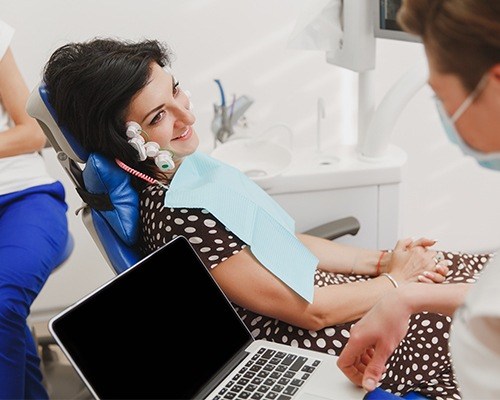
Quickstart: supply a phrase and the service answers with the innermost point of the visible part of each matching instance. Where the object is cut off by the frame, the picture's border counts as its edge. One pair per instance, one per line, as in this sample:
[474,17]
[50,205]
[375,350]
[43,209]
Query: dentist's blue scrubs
[33,237]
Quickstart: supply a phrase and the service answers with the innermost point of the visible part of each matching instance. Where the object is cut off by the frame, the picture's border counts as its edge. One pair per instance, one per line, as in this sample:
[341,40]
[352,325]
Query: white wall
[243,43]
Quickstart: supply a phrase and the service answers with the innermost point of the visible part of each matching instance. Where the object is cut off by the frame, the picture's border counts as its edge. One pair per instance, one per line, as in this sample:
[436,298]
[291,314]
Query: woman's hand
[422,242]
[437,276]
[442,265]
[412,261]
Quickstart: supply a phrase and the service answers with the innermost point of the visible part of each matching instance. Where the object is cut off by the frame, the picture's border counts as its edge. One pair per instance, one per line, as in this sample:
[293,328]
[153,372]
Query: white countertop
[342,167]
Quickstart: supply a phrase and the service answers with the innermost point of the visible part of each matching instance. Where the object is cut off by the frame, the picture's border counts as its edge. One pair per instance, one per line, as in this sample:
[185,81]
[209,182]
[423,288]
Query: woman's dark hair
[462,35]
[91,85]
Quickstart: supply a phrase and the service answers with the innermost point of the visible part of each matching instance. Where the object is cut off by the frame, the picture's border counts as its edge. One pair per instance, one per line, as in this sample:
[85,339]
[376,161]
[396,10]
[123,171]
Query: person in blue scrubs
[33,229]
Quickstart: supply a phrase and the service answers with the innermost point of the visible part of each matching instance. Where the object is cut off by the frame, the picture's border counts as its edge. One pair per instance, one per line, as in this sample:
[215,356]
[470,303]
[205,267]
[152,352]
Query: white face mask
[486,160]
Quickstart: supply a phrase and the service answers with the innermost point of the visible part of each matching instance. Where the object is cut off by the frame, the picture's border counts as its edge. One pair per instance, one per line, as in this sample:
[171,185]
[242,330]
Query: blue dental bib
[250,213]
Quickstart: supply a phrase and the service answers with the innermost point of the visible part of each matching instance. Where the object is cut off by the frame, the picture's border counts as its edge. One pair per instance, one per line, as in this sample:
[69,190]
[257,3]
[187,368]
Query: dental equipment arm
[378,134]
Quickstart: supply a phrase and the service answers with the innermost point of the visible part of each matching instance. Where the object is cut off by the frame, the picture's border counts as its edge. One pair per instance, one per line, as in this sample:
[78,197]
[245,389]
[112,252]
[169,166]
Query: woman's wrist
[370,262]
[385,259]
[383,262]
[367,262]
[378,267]
[393,280]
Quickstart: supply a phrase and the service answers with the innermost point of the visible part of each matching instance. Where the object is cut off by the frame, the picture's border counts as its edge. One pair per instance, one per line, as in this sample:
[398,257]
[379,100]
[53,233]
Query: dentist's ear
[495,74]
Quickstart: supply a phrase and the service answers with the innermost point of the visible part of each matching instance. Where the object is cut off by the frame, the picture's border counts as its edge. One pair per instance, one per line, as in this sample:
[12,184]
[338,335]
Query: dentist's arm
[375,337]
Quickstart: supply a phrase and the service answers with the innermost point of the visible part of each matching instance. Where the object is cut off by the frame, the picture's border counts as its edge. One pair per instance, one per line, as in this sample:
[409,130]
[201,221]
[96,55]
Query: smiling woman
[118,99]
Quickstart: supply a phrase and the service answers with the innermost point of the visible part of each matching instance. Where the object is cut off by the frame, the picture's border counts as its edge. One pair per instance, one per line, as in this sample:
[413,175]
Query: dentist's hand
[373,340]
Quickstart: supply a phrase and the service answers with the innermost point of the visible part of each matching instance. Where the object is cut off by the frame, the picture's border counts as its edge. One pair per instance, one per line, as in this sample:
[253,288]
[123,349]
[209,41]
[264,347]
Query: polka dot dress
[211,240]
[421,362]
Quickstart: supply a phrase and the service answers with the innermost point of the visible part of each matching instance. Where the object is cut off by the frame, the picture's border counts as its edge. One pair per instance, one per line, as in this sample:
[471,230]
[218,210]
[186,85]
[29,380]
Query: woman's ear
[495,74]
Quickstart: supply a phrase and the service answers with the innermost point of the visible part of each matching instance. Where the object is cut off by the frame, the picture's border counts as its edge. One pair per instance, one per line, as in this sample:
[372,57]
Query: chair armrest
[335,229]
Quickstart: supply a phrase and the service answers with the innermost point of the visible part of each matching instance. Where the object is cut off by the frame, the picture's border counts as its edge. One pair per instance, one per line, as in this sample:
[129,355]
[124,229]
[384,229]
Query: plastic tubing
[222,96]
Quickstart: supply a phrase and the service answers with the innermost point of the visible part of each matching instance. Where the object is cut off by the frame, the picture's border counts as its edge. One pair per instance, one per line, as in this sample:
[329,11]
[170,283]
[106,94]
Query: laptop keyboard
[269,375]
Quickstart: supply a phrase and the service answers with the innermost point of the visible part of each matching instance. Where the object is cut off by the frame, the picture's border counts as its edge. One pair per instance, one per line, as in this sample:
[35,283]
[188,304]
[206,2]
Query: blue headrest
[106,188]
[72,143]
[103,176]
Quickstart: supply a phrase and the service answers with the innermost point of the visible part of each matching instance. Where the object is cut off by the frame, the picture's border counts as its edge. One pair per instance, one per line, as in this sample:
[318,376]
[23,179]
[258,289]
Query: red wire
[136,173]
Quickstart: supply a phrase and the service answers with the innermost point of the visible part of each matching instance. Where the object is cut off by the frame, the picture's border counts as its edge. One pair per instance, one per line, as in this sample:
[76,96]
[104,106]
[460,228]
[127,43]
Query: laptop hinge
[225,371]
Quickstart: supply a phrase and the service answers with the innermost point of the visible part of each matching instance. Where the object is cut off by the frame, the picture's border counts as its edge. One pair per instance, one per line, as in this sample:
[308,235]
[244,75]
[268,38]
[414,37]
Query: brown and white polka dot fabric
[421,362]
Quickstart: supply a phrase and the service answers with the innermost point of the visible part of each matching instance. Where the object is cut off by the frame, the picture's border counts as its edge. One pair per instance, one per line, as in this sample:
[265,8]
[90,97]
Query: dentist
[462,43]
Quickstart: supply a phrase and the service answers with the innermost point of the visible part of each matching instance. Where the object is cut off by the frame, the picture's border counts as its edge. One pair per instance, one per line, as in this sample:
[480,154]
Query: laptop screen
[161,329]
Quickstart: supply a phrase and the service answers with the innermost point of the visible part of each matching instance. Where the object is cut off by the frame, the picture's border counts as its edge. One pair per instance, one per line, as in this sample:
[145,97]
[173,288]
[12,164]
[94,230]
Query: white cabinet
[314,192]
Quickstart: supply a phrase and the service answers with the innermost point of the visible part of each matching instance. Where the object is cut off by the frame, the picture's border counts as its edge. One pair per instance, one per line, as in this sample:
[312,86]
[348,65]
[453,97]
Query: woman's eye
[158,117]
[176,88]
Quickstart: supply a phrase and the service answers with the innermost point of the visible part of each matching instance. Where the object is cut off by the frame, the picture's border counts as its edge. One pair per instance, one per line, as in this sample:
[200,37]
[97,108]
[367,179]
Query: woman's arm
[342,258]
[25,136]
[249,284]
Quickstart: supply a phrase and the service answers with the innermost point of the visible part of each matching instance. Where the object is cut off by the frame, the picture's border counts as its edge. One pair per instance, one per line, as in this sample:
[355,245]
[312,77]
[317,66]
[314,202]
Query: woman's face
[479,125]
[161,108]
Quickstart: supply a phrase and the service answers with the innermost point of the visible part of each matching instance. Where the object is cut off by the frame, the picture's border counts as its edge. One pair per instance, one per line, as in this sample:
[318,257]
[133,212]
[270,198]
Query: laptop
[163,329]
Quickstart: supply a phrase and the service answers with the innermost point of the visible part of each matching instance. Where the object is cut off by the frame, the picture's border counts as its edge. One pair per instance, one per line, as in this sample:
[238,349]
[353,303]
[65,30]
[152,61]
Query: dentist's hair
[91,85]
[463,36]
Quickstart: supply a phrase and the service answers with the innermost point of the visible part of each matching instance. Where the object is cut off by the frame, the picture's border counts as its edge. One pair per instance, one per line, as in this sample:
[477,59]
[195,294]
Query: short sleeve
[6,34]
[159,224]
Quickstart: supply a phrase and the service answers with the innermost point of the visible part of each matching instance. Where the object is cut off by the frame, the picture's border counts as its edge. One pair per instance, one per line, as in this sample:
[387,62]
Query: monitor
[386,26]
